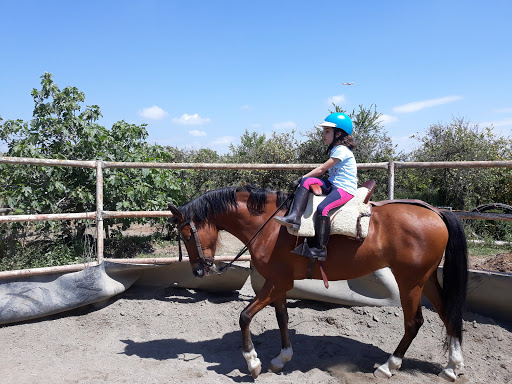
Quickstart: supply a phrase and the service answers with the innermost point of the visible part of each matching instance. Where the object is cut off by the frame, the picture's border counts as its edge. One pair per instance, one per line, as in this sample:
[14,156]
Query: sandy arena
[182,336]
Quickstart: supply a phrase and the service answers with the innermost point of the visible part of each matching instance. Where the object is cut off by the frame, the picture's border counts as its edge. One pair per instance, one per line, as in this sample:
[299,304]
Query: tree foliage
[279,148]
[195,182]
[462,188]
[62,128]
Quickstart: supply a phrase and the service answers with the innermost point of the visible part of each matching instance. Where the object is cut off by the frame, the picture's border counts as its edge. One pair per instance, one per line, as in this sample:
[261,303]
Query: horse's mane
[221,200]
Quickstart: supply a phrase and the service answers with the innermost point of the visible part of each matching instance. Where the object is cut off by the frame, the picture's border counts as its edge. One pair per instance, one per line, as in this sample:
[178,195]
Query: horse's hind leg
[277,364]
[432,292]
[413,320]
[268,294]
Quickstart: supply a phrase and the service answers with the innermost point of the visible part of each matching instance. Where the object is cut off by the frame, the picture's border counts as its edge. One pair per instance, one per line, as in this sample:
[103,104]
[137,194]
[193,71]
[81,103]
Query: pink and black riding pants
[336,197]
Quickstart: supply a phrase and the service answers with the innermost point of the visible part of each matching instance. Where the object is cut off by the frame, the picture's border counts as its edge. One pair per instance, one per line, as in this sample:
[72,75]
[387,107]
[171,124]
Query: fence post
[391,180]
[99,211]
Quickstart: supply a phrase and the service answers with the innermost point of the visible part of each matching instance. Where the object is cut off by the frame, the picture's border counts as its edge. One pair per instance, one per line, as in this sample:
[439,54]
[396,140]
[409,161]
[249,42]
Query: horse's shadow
[182,295]
[328,353]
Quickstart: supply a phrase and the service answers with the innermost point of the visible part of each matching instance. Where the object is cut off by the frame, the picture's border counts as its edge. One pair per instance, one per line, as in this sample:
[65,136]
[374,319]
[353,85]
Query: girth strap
[311,270]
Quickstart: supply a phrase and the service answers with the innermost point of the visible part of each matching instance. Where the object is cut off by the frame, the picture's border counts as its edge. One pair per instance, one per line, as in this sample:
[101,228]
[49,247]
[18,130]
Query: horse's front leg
[268,293]
[277,364]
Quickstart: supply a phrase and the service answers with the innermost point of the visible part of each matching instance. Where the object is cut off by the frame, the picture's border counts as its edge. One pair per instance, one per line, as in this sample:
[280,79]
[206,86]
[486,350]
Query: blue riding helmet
[338,120]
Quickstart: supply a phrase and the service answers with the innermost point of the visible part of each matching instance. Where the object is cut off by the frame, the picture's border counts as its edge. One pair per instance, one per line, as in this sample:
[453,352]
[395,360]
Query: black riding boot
[318,246]
[300,201]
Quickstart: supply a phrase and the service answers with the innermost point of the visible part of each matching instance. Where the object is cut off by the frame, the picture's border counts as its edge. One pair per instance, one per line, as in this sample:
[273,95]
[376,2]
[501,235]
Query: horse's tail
[455,275]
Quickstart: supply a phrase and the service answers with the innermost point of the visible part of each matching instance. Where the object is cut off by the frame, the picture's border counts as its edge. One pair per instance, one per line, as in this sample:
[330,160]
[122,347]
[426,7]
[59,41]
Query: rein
[208,261]
[246,246]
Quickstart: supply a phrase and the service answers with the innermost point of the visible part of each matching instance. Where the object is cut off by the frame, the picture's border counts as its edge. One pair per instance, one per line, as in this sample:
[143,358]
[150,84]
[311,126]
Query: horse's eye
[186,238]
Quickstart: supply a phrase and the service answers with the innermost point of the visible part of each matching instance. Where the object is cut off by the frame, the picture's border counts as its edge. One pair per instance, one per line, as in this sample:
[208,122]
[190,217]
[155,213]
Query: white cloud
[387,119]
[255,125]
[245,107]
[153,113]
[284,125]
[497,123]
[197,133]
[194,119]
[419,105]
[503,110]
[224,140]
[339,99]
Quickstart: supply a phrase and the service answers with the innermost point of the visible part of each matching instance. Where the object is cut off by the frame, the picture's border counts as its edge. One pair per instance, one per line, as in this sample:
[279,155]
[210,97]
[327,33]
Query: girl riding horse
[340,187]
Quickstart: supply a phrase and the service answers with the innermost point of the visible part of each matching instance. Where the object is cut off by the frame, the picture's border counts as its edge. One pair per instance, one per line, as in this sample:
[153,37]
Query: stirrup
[304,250]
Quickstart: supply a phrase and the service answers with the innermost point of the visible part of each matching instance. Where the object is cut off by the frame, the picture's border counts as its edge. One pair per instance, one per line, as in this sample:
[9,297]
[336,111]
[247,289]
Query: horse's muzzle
[198,270]
[202,269]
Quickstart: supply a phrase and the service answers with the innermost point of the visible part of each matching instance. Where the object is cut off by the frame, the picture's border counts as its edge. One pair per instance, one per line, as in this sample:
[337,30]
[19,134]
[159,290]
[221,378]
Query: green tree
[62,128]
[461,188]
[278,148]
[195,182]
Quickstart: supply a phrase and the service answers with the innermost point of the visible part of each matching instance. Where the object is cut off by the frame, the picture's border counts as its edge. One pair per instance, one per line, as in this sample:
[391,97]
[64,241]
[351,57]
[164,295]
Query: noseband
[206,262]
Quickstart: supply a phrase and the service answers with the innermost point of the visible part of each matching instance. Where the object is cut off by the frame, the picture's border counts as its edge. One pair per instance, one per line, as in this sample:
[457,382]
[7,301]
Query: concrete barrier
[376,289]
[26,297]
[30,297]
[488,292]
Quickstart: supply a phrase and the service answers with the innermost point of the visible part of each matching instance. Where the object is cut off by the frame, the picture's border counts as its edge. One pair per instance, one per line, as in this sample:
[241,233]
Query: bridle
[206,262]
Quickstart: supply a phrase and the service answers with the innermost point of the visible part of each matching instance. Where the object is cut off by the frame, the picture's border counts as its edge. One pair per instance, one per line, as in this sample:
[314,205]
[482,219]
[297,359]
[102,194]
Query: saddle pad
[345,217]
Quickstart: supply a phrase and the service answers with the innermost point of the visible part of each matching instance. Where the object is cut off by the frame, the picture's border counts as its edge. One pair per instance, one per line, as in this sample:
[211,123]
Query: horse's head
[200,242]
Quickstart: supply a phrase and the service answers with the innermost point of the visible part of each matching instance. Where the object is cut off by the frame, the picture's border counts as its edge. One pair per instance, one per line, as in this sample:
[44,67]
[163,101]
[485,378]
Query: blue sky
[200,73]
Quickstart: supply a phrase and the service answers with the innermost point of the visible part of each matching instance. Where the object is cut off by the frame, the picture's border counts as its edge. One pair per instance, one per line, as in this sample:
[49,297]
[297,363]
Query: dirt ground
[182,336]
[502,262]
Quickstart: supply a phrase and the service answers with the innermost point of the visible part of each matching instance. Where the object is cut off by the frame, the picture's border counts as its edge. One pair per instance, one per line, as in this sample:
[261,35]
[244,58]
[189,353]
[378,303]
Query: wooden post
[391,180]
[99,211]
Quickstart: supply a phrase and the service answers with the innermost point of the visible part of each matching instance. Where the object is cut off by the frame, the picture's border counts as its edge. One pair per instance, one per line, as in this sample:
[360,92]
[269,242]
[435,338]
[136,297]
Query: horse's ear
[178,216]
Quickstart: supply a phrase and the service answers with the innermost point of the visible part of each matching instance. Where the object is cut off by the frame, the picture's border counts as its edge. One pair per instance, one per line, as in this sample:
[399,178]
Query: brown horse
[409,239]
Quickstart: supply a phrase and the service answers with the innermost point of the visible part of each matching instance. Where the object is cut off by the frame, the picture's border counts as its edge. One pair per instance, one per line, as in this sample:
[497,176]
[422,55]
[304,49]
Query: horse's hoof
[277,363]
[382,372]
[448,374]
[255,367]
[276,367]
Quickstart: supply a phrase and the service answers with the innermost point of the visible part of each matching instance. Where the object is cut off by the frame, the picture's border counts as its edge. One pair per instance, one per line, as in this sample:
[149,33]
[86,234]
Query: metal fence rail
[99,215]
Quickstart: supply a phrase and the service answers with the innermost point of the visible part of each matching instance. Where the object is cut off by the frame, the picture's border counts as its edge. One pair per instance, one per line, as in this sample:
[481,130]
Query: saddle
[352,219]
